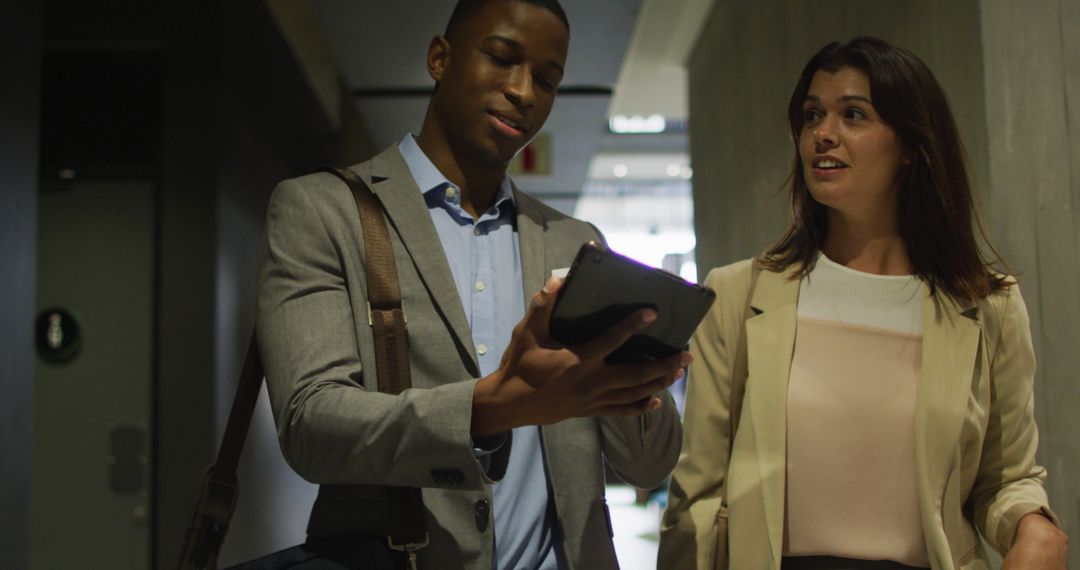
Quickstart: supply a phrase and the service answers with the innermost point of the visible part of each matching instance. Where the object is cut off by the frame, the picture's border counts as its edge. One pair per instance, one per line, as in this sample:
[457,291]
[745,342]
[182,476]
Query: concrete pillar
[1032,66]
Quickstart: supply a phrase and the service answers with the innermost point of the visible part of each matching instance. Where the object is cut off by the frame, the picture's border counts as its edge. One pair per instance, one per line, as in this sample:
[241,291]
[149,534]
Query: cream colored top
[851,481]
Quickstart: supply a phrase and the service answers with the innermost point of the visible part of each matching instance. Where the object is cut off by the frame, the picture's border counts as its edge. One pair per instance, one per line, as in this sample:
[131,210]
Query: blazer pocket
[971,560]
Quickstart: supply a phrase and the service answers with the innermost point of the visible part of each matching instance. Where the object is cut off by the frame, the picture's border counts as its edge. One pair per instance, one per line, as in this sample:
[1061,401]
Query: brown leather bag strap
[217,497]
[247,393]
[386,314]
[740,369]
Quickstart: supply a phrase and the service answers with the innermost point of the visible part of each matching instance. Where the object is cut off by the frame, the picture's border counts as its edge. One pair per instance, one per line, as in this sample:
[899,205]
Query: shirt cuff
[484,446]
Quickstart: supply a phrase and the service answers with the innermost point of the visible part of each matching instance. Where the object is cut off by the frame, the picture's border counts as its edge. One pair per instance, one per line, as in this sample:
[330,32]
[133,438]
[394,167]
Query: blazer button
[483,514]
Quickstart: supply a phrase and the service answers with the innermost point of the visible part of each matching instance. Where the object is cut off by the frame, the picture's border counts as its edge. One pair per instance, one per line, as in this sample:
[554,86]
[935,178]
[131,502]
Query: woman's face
[851,159]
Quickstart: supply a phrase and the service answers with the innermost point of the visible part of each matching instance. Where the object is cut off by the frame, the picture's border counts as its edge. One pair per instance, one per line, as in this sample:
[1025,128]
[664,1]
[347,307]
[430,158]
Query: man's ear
[438,56]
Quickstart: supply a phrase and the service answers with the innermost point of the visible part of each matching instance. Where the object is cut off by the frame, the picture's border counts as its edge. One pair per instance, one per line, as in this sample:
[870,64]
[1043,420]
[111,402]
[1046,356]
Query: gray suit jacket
[334,427]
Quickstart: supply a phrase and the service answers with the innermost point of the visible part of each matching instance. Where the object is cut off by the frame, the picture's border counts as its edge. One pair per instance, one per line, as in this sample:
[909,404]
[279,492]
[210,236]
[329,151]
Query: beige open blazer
[975,433]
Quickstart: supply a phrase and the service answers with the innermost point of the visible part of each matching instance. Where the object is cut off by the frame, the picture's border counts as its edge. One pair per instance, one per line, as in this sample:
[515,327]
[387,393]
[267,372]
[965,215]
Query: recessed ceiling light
[687,172]
[620,170]
[673,170]
[637,124]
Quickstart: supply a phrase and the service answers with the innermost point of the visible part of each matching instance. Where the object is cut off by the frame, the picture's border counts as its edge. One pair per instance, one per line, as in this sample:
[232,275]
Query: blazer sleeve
[332,430]
[641,449]
[689,528]
[1009,483]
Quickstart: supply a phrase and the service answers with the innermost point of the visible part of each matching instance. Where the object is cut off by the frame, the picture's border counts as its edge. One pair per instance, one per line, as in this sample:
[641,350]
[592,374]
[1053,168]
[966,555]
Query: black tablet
[603,287]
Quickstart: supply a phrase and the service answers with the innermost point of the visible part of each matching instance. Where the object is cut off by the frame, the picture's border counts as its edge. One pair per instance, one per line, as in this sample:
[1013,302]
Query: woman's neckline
[856,272]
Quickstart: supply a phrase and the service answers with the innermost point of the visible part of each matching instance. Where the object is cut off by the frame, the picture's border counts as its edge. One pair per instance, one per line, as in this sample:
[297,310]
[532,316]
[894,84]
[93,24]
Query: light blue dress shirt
[486,263]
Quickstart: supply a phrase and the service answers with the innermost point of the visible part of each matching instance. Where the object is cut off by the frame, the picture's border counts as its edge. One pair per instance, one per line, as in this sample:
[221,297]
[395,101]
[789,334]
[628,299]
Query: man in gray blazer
[505,432]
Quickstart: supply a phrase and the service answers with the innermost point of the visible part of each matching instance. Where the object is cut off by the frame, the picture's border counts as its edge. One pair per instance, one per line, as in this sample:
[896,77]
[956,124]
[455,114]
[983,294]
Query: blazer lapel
[530,227]
[950,345]
[407,213]
[770,340]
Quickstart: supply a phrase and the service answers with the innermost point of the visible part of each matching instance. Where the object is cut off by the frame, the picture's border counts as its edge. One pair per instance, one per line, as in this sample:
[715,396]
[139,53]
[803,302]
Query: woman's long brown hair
[938,211]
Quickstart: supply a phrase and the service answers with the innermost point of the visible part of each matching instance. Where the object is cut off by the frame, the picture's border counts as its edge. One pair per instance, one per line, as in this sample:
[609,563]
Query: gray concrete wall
[1032,63]
[1012,73]
[20,73]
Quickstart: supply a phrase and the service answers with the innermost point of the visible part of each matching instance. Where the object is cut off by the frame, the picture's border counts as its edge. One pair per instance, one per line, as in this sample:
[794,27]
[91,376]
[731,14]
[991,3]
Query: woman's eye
[855,113]
[811,115]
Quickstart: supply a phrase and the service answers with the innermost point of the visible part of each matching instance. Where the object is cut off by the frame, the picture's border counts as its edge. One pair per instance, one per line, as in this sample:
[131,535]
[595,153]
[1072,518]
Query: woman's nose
[824,135]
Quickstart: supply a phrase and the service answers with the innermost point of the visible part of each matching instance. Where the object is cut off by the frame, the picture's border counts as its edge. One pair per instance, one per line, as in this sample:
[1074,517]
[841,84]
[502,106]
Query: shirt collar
[429,178]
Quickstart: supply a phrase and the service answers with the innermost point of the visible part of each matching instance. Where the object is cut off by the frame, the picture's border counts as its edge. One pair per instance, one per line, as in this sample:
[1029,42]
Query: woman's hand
[1039,545]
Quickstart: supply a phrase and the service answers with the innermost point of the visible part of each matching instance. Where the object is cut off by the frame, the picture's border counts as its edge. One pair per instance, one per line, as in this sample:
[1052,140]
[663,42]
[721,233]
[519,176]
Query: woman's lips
[828,172]
[827,167]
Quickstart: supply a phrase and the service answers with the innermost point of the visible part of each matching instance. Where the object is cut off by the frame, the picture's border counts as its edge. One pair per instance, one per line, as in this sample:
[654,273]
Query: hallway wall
[1032,68]
[1011,73]
[266,123]
[20,34]
[275,129]
[237,114]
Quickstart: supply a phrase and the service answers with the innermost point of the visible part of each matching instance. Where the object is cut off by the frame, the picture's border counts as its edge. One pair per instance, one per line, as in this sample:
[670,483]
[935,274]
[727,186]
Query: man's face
[497,77]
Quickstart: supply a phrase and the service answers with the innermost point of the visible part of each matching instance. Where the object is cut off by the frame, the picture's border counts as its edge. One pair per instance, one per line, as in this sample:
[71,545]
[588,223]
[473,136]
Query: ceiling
[380,49]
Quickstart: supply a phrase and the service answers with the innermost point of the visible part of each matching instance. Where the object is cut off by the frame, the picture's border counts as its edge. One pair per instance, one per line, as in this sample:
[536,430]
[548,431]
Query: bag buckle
[409,548]
[404,319]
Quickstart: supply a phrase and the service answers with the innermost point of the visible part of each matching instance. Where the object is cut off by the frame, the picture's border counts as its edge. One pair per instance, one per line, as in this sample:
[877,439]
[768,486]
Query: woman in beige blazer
[876,431]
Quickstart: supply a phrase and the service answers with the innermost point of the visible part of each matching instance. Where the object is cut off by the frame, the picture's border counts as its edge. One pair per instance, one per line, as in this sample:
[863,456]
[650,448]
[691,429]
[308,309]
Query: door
[93,411]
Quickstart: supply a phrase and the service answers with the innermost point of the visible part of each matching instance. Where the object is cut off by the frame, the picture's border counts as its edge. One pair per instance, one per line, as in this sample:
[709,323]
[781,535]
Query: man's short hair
[466,8]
